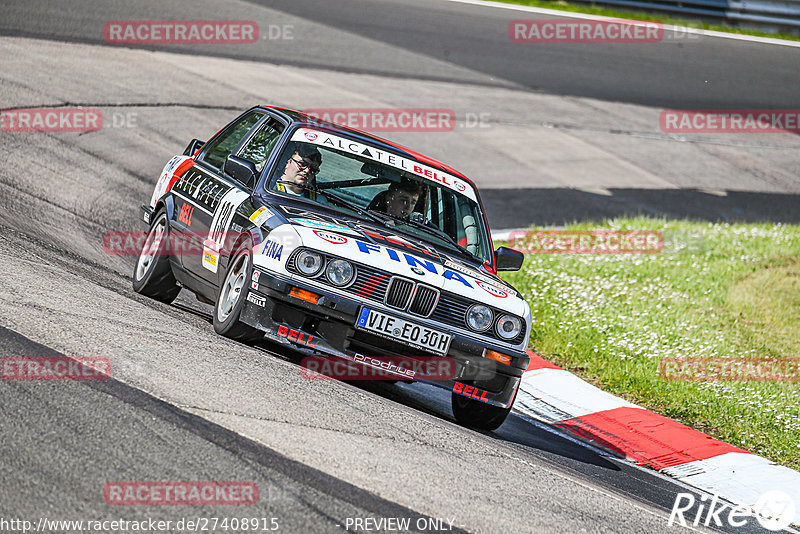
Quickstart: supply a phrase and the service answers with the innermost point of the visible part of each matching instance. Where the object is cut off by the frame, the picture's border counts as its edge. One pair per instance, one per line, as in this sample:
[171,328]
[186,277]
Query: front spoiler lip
[316,345]
[494,399]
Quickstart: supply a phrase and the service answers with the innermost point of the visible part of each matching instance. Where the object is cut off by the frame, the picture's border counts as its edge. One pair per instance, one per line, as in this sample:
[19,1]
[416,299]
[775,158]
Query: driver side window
[260,146]
[221,147]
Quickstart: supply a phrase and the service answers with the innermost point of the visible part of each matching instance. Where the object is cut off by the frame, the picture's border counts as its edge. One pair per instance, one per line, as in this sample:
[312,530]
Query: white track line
[587,16]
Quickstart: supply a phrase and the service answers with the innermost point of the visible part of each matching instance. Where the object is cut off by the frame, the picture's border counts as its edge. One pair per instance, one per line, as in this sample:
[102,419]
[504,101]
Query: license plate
[403,331]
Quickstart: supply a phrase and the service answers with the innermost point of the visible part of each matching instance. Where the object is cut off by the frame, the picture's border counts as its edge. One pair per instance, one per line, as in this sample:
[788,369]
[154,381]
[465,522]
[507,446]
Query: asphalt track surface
[691,72]
[185,404]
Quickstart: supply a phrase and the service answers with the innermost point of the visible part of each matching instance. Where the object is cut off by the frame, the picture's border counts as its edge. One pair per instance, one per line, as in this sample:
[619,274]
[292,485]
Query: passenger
[402,197]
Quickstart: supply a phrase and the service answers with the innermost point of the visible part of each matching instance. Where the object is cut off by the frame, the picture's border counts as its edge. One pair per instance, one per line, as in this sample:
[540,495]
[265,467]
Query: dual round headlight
[508,327]
[339,272]
[480,319]
[309,263]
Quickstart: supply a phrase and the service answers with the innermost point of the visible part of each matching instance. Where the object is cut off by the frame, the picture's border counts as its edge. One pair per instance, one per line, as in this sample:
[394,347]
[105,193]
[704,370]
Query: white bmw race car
[345,247]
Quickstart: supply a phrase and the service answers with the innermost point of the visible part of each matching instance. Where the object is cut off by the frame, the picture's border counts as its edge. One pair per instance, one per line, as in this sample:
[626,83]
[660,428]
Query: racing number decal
[223,216]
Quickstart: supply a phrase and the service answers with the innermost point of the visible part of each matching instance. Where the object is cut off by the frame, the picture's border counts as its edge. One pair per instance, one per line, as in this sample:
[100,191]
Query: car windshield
[366,182]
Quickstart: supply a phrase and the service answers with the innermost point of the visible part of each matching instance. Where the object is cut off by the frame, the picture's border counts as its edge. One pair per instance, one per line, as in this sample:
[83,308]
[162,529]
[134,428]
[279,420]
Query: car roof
[300,118]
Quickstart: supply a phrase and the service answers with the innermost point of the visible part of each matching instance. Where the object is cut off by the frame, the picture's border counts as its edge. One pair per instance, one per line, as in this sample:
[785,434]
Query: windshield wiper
[338,199]
[433,231]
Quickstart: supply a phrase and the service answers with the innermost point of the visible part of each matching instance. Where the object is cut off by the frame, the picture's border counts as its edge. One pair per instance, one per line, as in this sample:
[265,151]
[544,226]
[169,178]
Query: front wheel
[231,298]
[152,274]
[476,414]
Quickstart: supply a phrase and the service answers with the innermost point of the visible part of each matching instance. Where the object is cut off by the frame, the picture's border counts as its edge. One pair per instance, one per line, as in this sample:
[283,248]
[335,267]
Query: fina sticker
[330,238]
[261,215]
[479,277]
[492,290]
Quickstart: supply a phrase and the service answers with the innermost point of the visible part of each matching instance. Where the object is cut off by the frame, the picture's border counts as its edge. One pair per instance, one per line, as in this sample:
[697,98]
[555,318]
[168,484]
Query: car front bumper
[326,329]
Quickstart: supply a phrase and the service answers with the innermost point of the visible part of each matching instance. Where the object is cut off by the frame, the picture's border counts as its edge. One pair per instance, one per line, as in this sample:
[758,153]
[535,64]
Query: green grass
[641,15]
[716,290]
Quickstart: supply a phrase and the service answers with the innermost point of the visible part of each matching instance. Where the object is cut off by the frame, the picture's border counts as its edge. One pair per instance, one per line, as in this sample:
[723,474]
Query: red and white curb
[557,397]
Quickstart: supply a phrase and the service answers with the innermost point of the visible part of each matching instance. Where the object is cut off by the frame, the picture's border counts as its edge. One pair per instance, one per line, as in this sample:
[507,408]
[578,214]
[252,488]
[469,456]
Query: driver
[300,171]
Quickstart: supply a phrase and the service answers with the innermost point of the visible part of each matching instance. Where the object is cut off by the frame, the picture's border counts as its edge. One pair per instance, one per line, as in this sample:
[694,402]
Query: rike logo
[311,136]
[774,510]
[459,186]
[331,238]
[494,291]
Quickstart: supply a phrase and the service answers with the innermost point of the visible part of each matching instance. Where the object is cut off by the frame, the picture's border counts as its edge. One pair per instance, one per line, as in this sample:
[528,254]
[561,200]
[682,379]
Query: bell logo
[186,214]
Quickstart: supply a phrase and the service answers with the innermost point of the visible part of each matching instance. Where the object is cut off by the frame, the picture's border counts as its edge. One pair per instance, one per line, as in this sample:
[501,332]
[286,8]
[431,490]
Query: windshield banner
[423,171]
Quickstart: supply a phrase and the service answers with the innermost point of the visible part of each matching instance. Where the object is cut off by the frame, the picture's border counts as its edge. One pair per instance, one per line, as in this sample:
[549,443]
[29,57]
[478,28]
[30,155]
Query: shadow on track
[436,402]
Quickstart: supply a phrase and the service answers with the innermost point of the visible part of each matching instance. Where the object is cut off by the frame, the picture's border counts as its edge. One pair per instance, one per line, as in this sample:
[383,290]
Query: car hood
[399,255]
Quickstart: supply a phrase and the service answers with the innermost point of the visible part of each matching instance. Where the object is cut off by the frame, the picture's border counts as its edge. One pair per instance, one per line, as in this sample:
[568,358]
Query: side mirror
[508,259]
[193,147]
[240,169]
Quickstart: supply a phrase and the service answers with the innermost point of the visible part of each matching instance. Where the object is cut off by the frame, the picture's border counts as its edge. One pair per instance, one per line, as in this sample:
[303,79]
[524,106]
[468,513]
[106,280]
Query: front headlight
[508,327]
[339,272]
[309,263]
[479,317]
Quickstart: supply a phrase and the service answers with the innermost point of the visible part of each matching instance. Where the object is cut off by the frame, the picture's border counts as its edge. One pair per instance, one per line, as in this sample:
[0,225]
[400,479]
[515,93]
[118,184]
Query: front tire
[475,414]
[152,274]
[232,295]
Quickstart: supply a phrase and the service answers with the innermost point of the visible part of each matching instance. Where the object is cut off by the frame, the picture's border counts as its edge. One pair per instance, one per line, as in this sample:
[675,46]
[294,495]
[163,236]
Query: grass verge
[561,5]
[716,290]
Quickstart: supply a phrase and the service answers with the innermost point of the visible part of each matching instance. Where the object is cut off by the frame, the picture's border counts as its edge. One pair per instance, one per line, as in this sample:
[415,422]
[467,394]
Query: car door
[201,189]
[252,137]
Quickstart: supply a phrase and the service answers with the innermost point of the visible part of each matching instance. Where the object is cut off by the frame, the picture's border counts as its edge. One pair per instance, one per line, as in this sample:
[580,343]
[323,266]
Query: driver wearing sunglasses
[300,171]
